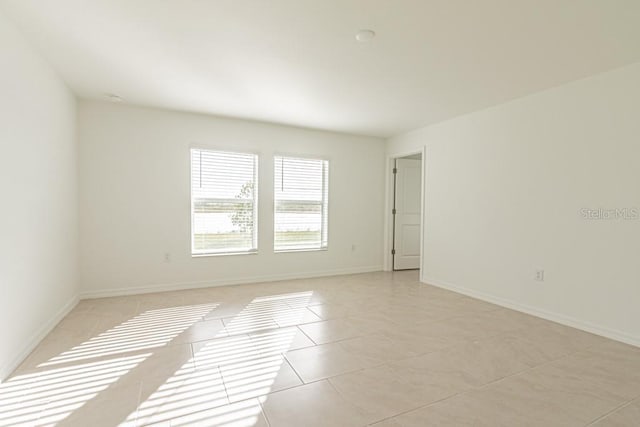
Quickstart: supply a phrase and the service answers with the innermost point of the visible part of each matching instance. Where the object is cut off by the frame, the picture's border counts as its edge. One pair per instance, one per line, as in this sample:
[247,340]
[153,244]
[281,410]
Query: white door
[407,214]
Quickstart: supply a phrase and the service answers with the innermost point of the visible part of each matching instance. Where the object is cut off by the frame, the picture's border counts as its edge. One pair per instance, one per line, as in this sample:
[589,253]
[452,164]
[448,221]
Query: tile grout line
[344,398]
[284,357]
[616,409]
[139,403]
[262,411]
[305,334]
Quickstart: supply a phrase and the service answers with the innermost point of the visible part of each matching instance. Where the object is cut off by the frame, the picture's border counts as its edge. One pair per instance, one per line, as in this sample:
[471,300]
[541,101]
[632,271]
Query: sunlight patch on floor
[219,386]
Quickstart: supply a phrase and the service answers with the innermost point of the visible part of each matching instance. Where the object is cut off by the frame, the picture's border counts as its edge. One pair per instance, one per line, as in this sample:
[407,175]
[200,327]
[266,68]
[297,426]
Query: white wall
[38,212]
[504,190]
[135,200]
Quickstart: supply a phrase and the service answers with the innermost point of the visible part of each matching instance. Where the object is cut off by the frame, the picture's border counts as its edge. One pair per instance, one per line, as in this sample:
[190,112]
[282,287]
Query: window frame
[256,168]
[325,201]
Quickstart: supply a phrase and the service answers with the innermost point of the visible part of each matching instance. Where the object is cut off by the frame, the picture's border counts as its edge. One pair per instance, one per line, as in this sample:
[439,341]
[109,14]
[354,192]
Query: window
[223,202]
[301,194]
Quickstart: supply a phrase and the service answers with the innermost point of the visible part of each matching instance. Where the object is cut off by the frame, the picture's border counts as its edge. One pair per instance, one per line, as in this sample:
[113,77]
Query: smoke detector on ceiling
[364,36]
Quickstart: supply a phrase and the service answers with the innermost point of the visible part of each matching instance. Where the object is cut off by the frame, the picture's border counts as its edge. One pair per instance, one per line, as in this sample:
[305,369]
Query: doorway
[407,212]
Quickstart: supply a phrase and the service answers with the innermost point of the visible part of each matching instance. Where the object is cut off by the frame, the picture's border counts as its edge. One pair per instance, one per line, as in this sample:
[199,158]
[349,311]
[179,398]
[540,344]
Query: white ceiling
[297,62]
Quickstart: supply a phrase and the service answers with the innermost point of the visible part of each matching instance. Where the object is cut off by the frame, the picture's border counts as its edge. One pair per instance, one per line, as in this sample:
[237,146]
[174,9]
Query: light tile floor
[368,349]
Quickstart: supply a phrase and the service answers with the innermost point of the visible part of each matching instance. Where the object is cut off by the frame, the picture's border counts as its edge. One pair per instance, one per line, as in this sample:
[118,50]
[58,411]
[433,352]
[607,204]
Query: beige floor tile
[82,323]
[117,405]
[245,324]
[577,337]
[144,332]
[258,377]
[454,330]
[224,351]
[201,331]
[197,296]
[483,409]
[295,316]
[557,391]
[53,345]
[14,389]
[367,324]
[423,338]
[506,320]
[83,306]
[434,374]
[228,309]
[280,340]
[430,291]
[317,404]
[119,306]
[626,416]
[462,305]
[378,347]
[271,312]
[478,325]
[331,311]
[553,341]
[381,393]
[332,330]
[322,297]
[245,413]
[327,360]
[420,313]
[615,368]
[61,392]
[107,322]
[160,364]
[186,392]
[18,405]
[388,315]
[157,301]
[490,359]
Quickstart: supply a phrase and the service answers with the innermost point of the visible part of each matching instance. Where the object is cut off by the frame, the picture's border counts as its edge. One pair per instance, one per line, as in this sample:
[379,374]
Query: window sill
[284,251]
[223,254]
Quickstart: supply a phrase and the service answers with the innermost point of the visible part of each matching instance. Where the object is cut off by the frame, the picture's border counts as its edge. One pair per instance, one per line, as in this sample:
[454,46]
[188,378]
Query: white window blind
[301,195]
[223,202]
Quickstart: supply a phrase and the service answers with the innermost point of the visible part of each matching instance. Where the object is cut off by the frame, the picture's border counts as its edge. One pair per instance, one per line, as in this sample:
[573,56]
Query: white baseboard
[36,338]
[135,290]
[538,312]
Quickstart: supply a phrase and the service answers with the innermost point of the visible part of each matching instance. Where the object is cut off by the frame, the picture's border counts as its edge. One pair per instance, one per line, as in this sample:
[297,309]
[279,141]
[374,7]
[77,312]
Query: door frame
[389,200]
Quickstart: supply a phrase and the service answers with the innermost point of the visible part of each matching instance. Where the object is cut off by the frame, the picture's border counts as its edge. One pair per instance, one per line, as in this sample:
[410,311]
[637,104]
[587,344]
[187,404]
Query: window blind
[223,202]
[301,194]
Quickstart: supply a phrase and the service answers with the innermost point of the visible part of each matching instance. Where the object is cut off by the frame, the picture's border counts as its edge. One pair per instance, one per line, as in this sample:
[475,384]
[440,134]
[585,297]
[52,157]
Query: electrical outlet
[353,248]
[167,257]
[539,277]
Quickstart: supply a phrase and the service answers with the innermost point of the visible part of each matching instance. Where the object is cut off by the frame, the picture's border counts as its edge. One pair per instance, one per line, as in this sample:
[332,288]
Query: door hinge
[393,211]
[393,251]
[395,170]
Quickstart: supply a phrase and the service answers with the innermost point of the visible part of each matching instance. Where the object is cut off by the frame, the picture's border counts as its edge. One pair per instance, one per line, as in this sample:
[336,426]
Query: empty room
[311,213]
